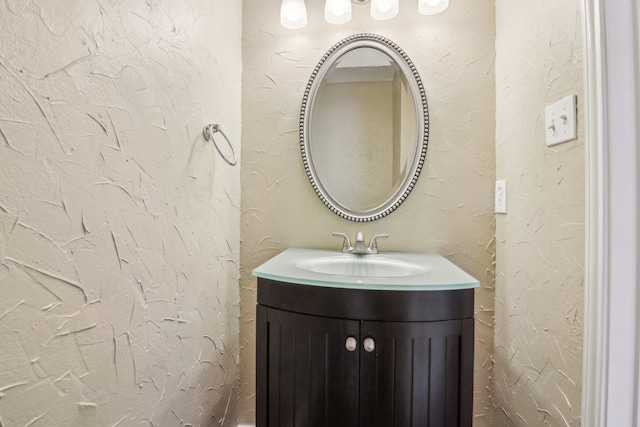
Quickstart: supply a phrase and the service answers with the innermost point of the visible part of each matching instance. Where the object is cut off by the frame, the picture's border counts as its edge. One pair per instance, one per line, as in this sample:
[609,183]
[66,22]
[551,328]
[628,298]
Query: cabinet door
[419,374]
[306,376]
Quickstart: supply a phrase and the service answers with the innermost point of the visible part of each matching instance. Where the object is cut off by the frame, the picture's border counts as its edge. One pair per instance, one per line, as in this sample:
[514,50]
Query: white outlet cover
[501,196]
[560,121]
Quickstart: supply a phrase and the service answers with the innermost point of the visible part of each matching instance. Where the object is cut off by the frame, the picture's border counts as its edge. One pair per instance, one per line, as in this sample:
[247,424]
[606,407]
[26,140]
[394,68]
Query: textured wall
[450,210]
[119,225]
[540,242]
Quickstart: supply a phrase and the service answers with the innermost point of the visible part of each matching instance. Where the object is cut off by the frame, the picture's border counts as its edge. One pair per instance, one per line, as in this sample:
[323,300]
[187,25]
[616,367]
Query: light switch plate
[501,196]
[560,121]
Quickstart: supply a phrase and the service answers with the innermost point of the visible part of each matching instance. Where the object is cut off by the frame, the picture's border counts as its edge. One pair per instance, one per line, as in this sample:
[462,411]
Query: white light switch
[560,121]
[501,196]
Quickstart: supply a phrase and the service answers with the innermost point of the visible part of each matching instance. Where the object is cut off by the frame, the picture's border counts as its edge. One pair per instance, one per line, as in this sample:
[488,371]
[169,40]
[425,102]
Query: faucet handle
[346,243]
[373,244]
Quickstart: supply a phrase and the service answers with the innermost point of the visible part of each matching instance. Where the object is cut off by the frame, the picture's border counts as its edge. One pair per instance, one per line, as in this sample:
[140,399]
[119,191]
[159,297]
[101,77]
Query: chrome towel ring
[208,131]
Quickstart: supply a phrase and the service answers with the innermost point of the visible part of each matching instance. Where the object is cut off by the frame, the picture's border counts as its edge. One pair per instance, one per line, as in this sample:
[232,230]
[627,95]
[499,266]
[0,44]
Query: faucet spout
[360,248]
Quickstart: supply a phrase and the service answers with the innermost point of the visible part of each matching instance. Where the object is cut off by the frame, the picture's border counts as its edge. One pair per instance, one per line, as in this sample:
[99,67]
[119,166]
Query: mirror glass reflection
[363,130]
[364,127]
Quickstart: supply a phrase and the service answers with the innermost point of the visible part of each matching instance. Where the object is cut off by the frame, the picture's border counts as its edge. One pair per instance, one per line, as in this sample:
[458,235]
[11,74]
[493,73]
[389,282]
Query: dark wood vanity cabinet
[417,369]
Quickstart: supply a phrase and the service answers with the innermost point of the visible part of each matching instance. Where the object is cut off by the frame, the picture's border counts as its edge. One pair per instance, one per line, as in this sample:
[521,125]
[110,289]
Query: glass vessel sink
[384,271]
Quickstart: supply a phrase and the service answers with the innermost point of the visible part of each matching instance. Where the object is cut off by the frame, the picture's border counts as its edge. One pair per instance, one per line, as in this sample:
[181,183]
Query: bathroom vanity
[385,341]
[360,338]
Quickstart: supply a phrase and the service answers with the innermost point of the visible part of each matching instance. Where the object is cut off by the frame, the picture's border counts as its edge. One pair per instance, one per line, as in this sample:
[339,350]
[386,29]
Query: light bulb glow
[384,6]
[337,11]
[384,9]
[431,7]
[293,14]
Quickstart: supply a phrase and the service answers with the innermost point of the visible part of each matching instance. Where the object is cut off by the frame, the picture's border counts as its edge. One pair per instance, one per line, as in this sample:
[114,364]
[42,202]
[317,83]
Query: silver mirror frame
[422,123]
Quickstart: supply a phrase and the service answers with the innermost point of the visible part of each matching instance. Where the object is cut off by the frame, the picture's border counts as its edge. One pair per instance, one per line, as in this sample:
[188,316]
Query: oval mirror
[364,127]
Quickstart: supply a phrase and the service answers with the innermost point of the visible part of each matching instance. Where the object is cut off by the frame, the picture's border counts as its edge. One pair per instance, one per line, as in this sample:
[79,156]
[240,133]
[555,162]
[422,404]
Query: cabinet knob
[351,343]
[369,345]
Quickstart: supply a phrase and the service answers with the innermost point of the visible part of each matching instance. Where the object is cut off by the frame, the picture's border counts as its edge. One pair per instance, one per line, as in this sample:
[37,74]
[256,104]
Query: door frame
[611,375]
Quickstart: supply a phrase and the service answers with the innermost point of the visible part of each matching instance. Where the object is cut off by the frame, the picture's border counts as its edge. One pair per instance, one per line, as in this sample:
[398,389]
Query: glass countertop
[384,271]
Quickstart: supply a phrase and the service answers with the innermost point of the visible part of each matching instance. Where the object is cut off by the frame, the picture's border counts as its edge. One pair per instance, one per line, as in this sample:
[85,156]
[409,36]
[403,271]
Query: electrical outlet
[501,196]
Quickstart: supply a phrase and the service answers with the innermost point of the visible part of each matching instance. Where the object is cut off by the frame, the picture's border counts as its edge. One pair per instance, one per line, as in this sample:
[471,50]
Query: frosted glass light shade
[293,14]
[431,7]
[384,9]
[337,11]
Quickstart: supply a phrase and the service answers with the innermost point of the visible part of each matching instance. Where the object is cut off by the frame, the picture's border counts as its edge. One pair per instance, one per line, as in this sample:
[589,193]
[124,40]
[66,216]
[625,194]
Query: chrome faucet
[360,248]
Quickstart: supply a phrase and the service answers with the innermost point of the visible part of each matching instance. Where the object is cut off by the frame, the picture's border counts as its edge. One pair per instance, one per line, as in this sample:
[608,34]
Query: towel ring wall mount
[209,131]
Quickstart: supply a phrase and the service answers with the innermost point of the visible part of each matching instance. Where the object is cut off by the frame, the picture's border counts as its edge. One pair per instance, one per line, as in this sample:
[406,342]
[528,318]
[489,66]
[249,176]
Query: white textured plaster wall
[450,210]
[119,224]
[540,241]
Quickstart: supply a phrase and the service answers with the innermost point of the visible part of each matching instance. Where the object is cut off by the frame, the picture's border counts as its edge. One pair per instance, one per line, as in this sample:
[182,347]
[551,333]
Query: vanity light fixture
[431,7]
[384,9]
[337,11]
[293,14]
